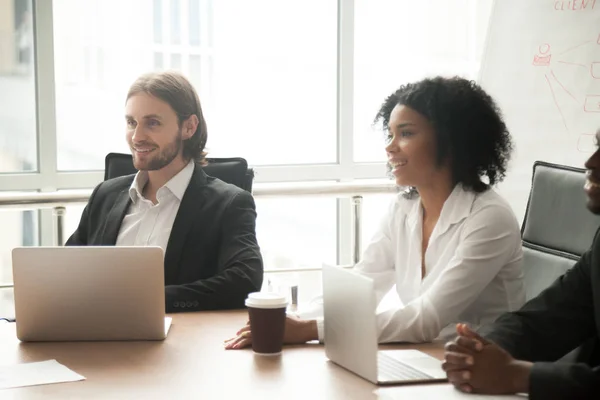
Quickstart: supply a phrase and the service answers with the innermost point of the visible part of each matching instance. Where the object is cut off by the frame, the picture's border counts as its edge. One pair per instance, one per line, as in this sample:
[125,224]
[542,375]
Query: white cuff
[320,329]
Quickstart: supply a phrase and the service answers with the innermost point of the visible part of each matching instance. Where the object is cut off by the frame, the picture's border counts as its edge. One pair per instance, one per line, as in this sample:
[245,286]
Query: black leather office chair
[557,228]
[231,170]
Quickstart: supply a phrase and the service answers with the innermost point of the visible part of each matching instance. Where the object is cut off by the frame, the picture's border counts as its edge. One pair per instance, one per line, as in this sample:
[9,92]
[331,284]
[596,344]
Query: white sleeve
[490,240]
[377,262]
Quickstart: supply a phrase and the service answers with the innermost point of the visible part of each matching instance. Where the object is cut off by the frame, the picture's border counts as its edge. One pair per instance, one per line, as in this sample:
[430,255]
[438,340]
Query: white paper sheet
[436,392]
[36,373]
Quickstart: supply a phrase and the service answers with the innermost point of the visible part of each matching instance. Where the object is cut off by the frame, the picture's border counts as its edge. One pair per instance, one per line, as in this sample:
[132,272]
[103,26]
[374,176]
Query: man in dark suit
[519,353]
[205,226]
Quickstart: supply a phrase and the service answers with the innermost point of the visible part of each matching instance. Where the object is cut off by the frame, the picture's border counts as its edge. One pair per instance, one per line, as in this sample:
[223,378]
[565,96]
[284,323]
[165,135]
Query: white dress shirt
[473,266]
[148,224]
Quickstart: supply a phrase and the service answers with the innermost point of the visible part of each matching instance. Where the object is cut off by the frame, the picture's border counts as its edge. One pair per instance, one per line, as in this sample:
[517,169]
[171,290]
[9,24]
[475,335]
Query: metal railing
[57,201]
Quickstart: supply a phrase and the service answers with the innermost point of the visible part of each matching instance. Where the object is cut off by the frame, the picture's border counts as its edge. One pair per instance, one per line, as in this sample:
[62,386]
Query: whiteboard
[541,64]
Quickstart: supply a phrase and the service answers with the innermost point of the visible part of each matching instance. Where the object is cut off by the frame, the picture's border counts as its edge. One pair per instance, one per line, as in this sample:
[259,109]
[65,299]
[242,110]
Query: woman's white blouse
[473,265]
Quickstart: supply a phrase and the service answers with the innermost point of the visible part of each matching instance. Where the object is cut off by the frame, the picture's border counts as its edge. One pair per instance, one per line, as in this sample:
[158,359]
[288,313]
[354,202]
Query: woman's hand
[296,331]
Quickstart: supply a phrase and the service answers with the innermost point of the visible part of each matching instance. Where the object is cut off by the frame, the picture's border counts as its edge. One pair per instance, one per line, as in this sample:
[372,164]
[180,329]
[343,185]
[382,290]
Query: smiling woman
[453,248]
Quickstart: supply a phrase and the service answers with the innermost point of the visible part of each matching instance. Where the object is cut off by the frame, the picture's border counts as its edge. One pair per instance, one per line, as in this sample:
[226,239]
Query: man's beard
[165,156]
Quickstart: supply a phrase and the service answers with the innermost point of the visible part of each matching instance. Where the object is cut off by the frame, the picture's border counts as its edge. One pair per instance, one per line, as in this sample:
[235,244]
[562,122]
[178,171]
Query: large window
[267,84]
[290,85]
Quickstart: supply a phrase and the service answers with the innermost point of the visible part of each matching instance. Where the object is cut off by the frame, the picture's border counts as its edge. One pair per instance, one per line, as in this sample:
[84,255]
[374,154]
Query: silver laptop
[349,306]
[89,293]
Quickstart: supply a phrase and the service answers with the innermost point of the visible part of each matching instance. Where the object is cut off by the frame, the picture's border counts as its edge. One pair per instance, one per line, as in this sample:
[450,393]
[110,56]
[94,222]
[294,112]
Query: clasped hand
[474,364]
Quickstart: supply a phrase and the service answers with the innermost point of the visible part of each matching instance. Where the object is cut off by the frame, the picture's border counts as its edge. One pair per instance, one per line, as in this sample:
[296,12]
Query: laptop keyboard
[391,369]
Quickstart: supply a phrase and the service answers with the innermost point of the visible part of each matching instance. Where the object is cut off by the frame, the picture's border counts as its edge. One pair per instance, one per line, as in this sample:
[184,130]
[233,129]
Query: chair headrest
[557,217]
[118,164]
[231,170]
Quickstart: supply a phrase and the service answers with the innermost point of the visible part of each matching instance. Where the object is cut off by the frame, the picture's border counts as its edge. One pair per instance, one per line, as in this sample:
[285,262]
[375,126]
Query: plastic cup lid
[266,300]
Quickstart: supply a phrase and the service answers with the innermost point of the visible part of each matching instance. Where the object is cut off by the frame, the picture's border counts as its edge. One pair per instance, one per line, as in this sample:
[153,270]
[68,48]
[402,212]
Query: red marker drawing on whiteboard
[592,103]
[586,143]
[543,58]
[595,70]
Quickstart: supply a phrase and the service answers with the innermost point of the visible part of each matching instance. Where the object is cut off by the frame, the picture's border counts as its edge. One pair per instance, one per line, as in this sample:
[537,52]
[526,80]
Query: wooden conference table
[190,363]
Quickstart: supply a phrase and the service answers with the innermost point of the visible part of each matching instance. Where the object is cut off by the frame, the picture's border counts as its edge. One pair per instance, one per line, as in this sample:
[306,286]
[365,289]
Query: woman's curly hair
[469,128]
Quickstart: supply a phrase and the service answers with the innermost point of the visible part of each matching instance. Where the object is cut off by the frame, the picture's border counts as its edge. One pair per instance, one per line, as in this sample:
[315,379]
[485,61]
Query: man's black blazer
[212,260]
[563,317]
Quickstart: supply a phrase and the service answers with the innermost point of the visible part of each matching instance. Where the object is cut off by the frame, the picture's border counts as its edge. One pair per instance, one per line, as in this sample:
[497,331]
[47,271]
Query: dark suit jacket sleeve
[80,236]
[240,269]
[548,327]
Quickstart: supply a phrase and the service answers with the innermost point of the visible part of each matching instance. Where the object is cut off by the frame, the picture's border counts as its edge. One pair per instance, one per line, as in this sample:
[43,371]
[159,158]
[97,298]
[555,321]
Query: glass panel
[374,209]
[21,229]
[175,22]
[158,61]
[72,217]
[176,61]
[277,80]
[7,303]
[194,22]
[158,21]
[402,41]
[196,72]
[89,113]
[309,286]
[18,139]
[296,233]
[207,22]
